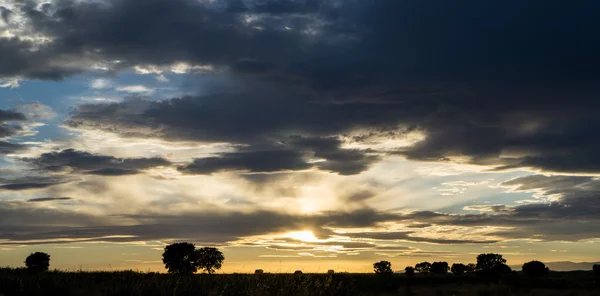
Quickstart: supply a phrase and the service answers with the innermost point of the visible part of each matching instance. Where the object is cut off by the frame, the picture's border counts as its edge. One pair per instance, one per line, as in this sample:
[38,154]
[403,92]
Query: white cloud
[100,83]
[135,89]
[12,83]
[36,111]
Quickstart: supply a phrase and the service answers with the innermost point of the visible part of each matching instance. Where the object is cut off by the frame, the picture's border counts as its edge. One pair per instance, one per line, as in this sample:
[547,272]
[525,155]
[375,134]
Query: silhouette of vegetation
[210,259]
[383,267]
[298,272]
[491,264]
[181,258]
[184,258]
[471,268]
[423,267]
[535,268]
[458,269]
[596,269]
[439,268]
[38,262]
[19,282]
[409,271]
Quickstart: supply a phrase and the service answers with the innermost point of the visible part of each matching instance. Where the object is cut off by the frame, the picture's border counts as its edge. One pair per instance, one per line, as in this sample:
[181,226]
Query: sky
[299,134]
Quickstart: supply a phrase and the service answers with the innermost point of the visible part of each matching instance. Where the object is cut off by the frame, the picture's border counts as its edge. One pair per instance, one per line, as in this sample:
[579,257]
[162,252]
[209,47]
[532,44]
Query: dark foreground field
[18,282]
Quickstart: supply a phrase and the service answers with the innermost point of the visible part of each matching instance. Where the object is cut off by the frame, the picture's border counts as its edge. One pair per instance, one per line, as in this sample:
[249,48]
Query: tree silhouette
[535,268]
[501,269]
[37,262]
[210,259]
[409,271]
[439,268]
[471,267]
[423,267]
[458,268]
[596,269]
[181,258]
[383,267]
[490,264]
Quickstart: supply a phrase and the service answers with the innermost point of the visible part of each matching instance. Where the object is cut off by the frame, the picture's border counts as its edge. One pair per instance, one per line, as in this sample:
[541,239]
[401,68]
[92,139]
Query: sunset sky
[299,134]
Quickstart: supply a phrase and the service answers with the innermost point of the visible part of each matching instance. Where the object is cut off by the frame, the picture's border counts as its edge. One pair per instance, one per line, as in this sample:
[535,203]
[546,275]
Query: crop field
[17,282]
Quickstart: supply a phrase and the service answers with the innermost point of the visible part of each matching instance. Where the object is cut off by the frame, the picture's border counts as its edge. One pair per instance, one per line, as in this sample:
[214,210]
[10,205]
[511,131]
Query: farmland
[17,282]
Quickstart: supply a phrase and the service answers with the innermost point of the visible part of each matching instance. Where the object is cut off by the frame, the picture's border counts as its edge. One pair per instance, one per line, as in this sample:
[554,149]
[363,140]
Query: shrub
[383,267]
[423,267]
[439,268]
[38,262]
[535,268]
[458,268]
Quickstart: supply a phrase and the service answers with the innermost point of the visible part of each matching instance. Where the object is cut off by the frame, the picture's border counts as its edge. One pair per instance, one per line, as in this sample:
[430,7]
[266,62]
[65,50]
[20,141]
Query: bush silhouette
[423,267]
[409,271]
[458,269]
[37,262]
[439,268]
[210,259]
[596,269]
[535,268]
[489,264]
[383,267]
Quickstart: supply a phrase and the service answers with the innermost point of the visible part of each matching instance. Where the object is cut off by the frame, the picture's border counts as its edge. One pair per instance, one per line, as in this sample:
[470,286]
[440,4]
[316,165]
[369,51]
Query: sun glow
[305,236]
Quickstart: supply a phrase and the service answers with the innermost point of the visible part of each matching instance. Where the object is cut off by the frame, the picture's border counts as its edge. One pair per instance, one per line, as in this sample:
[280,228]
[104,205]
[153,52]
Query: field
[19,282]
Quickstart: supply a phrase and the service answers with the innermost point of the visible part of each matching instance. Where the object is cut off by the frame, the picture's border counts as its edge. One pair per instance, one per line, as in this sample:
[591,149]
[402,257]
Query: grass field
[19,282]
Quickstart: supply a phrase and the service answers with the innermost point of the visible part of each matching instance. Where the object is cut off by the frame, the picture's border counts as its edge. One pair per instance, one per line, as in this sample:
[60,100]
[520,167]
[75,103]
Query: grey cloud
[89,163]
[44,199]
[408,237]
[30,182]
[7,115]
[7,130]
[257,161]
[7,147]
[477,93]
[112,172]
[295,157]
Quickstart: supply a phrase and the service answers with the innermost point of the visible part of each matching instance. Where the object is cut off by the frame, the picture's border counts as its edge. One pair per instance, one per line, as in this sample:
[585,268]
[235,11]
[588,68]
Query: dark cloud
[515,90]
[297,156]
[30,182]
[7,115]
[7,147]
[7,130]
[88,163]
[44,199]
[257,161]
[409,236]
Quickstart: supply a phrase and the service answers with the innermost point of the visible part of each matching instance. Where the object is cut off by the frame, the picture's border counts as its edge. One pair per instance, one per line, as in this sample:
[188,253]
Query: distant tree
[596,269]
[423,267]
[298,272]
[501,269]
[181,258]
[471,267]
[259,271]
[383,267]
[409,271]
[439,268]
[535,268]
[459,268]
[488,263]
[37,262]
[210,259]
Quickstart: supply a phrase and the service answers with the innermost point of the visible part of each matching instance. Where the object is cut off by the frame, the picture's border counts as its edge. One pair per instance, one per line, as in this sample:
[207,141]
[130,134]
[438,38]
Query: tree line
[487,264]
[185,259]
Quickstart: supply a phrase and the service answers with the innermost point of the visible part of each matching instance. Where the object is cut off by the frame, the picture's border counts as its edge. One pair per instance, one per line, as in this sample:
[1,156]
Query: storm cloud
[88,163]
